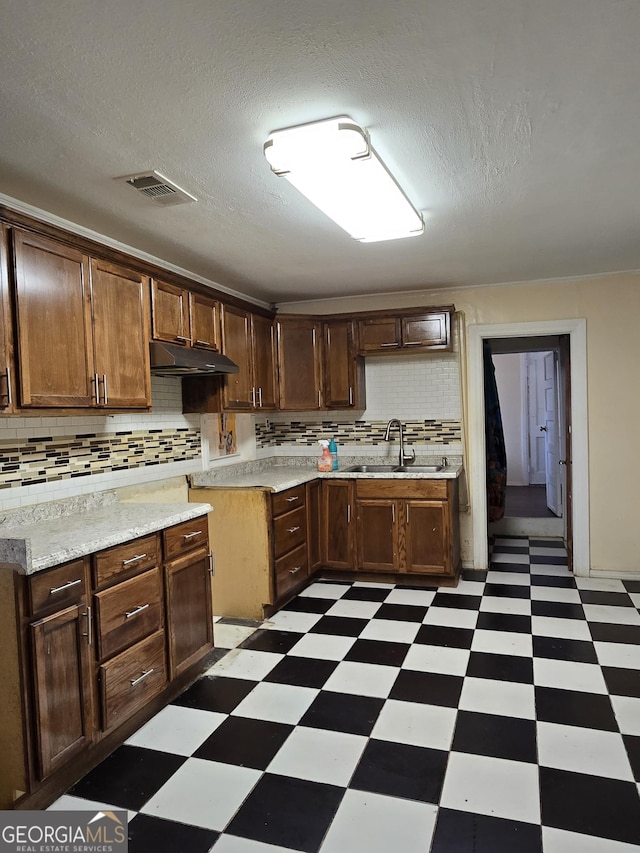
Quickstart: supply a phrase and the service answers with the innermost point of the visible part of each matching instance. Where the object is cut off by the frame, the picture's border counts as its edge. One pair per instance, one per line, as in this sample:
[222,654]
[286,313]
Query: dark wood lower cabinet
[378,546]
[338,522]
[62,687]
[86,649]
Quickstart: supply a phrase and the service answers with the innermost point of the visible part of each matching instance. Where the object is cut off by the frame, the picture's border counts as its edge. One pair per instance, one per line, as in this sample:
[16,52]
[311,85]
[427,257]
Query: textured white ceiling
[515,123]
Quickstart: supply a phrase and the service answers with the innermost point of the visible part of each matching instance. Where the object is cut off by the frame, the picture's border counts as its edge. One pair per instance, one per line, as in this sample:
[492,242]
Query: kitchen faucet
[404,459]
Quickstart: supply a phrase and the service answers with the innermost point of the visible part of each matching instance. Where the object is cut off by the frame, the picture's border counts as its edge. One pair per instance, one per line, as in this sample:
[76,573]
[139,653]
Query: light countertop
[38,544]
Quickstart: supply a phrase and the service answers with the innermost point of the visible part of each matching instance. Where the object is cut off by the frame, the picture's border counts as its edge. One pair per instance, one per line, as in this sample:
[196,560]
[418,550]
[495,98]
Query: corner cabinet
[81,328]
[91,649]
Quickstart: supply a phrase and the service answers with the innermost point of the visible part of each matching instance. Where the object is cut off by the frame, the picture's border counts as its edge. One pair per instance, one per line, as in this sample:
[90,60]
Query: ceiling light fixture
[333,164]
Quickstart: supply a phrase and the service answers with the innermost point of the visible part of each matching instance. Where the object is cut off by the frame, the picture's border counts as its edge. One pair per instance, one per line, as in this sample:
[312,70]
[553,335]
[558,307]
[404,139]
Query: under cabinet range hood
[173,360]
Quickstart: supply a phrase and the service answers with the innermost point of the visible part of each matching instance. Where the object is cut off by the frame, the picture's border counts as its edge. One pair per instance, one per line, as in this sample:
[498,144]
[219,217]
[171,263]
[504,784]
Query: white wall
[512,396]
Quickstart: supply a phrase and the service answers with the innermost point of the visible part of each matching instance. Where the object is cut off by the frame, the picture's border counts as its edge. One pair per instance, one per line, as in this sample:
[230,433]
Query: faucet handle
[445,462]
[409,460]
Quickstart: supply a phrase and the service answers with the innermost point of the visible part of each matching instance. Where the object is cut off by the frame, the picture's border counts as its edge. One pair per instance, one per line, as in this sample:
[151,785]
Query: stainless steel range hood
[172,360]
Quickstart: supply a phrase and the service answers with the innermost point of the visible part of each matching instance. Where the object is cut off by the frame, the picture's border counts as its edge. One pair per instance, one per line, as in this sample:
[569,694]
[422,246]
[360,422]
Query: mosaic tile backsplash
[48,459]
[440,432]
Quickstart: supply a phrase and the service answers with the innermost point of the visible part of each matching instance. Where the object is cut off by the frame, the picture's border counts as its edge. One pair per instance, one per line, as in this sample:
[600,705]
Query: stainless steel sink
[418,469]
[371,469]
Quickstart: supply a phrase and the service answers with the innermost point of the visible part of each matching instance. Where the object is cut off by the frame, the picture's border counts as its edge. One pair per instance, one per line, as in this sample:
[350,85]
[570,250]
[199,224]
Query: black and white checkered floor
[503,715]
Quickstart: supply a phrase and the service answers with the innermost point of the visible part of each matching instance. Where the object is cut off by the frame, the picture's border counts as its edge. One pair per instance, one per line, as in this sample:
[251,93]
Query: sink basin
[418,469]
[371,469]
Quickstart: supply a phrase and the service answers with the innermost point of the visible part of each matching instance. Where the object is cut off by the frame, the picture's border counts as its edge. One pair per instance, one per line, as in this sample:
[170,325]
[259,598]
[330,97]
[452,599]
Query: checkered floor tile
[501,715]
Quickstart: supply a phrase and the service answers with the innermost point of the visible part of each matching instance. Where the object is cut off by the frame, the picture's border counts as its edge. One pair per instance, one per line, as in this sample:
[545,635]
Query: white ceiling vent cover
[159,189]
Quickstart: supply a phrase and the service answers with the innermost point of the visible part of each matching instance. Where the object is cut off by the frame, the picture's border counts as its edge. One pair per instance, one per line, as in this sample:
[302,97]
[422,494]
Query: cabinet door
[169,313]
[428,537]
[63,699]
[299,365]
[314,506]
[378,535]
[379,334]
[337,524]
[430,331]
[264,363]
[342,385]
[53,323]
[189,619]
[205,322]
[7,389]
[237,389]
[120,336]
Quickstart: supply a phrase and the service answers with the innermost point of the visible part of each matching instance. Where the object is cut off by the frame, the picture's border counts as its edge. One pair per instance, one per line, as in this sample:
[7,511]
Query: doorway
[532,405]
[577,509]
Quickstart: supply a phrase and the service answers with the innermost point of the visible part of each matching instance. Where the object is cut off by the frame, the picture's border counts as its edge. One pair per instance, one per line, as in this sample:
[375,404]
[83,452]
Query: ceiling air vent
[159,189]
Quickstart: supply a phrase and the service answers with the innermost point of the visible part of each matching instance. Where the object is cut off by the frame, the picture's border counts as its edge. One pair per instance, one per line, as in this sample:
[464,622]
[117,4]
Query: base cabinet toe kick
[94,647]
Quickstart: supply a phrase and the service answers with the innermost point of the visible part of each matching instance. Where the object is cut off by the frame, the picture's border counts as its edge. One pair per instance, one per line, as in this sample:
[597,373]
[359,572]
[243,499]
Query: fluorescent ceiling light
[332,163]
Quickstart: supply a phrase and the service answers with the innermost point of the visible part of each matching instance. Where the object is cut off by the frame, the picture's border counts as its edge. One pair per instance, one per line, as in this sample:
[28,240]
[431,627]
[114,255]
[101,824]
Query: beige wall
[611,306]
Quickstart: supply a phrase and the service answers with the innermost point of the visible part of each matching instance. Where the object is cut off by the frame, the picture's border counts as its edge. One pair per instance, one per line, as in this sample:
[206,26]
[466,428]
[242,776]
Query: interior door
[565,393]
[535,394]
[554,498]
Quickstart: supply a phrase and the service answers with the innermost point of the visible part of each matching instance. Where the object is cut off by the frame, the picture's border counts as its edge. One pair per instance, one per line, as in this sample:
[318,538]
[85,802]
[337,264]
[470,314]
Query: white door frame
[476,466]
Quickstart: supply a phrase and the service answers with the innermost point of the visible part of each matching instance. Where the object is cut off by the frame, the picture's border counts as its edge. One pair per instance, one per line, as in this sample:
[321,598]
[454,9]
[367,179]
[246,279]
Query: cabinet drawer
[184,537]
[114,564]
[60,587]
[286,501]
[129,680]
[291,570]
[127,612]
[402,489]
[289,531]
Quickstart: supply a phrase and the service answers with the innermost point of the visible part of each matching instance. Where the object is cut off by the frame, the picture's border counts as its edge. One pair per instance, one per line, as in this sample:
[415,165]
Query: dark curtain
[496,452]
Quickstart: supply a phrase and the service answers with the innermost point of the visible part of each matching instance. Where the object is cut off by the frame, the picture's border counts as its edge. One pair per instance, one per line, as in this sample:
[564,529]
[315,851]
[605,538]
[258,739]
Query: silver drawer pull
[135,611]
[64,586]
[412,343]
[191,535]
[295,570]
[294,498]
[394,344]
[146,673]
[135,559]
[293,529]
[183,338]
[203,343]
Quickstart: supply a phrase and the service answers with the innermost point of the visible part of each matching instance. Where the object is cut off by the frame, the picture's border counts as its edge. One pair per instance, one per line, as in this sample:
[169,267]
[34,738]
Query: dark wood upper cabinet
[205,322]
[120,336]
[183,317]
[7,373]
[265,378]
[425,331]
[299,365]
[237,388]
[344,384]
[53,323]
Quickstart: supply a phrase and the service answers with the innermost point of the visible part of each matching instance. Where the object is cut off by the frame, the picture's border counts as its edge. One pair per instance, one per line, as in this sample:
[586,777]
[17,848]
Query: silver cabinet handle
[135,611]
[295,570]
[104,388]
[212,564]
[394,344]
[294,498]
[145,674]
[96,383]
[407,507]
[393,513]
[348,513]
[293,529]
[135,559]
[64,586]
[411,343]
[9,392]
[253,396]
[350,395]
[183,338]
[203,343]
[88,634]
[260,397]
[191,535]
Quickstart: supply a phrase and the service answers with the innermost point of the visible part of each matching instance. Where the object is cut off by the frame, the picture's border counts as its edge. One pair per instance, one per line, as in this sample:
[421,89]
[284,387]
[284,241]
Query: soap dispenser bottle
[333,450]
[325,462]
